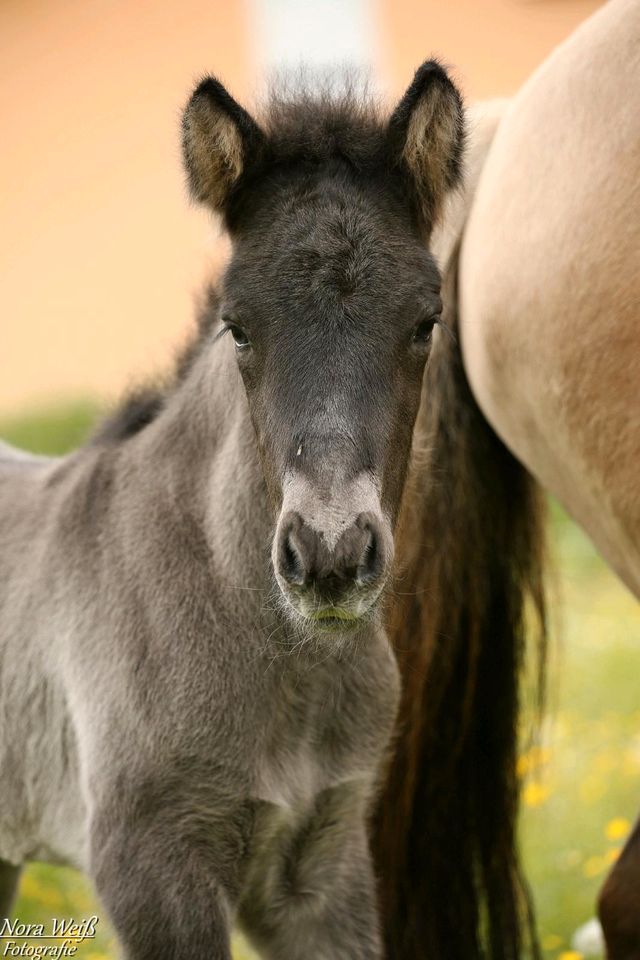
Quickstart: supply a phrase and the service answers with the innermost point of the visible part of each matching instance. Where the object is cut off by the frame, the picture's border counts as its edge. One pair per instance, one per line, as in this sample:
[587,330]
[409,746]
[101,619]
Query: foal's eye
[240,338]
[423,332]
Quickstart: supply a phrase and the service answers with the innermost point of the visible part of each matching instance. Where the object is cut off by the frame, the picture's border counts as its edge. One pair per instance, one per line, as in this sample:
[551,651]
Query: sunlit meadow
[581,780]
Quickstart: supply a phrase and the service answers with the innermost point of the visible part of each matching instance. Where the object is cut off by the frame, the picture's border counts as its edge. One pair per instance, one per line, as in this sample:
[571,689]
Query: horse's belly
[63,834]
[42,813]
[39,821]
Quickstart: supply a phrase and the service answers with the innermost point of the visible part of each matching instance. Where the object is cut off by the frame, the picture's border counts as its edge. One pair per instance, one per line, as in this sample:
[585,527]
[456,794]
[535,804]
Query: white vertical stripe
[318,33]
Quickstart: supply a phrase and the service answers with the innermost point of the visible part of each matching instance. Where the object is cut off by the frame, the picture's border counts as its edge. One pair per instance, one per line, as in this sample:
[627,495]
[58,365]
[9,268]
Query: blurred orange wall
[99,251]
[100,254]
[493,45]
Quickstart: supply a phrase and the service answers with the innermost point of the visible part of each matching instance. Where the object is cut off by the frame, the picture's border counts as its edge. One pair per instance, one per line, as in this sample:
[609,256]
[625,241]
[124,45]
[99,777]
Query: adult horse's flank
[196,687]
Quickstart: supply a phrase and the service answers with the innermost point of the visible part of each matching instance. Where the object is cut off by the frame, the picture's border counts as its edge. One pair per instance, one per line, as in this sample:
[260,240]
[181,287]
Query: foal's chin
[335,620]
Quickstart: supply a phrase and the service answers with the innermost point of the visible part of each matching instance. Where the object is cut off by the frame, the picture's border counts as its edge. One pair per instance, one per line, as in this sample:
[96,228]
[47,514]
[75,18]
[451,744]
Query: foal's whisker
[234,586]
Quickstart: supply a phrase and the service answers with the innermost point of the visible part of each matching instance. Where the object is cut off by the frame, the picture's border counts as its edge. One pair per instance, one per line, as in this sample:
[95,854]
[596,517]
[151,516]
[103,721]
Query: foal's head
[331,298]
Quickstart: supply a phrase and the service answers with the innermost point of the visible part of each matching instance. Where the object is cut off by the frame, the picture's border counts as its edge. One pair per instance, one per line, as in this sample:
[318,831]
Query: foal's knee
[619,904]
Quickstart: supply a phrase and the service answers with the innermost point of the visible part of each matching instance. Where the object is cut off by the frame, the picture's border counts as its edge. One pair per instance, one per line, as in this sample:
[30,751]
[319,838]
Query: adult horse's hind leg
[619,903]
[9,876]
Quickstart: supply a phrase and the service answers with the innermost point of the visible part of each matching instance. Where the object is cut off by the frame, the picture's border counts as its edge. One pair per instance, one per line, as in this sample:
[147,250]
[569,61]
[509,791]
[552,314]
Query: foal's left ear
[426,136]
[219,141]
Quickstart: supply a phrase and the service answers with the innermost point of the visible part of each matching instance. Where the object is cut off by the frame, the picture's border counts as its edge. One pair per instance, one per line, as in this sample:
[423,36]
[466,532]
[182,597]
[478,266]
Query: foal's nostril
[369,565]
[291,561]
[371,561]
[291,566]
[303,557]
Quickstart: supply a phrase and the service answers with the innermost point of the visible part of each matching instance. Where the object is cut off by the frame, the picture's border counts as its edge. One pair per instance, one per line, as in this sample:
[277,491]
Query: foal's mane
[310,120]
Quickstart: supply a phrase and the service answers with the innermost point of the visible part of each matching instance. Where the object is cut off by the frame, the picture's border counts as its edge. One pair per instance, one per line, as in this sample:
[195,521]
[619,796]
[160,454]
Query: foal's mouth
[336,618]
[331,617]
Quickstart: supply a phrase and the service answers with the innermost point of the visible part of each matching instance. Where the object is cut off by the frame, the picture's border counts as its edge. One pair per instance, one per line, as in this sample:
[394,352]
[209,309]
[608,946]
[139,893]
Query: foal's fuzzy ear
[219,141]
[426,135]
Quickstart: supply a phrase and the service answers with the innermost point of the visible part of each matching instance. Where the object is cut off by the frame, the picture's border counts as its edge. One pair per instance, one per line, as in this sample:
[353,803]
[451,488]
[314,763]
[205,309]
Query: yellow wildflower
[33,889]
[617,829]
[535,794]
[533,759]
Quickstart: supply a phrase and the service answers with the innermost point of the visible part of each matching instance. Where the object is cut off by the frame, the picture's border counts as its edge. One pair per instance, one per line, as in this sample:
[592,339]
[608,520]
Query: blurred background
[100,254]
[101,257]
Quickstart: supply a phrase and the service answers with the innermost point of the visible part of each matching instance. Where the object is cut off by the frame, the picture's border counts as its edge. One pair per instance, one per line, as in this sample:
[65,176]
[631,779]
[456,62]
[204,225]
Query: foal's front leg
[9,877]
[168,874]
[313,895]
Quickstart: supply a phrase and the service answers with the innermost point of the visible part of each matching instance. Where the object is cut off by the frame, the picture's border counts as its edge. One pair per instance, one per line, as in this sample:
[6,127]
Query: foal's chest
[329,722]
[329,725]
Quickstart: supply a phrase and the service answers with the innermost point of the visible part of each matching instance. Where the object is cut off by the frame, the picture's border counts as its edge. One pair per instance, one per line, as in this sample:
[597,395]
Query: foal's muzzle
[330,562]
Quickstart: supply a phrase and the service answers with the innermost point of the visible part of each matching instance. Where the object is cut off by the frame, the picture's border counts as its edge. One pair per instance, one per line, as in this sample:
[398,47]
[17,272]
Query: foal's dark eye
[240,338]
[424,330]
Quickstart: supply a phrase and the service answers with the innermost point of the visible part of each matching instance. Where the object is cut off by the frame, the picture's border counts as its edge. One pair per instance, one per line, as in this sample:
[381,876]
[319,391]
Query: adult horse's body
[196,687]
[549,315]
[550,281]
[550,312]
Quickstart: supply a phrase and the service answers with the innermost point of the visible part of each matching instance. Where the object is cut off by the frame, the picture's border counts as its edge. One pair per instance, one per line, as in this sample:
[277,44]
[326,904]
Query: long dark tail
[445,829]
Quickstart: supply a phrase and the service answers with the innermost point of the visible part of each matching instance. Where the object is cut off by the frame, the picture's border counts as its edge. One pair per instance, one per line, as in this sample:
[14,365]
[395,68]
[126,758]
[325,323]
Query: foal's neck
[202,454]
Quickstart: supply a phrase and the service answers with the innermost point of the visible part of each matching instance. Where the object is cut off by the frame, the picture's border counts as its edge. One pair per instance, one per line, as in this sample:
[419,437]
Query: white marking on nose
[299,451]
[330,514]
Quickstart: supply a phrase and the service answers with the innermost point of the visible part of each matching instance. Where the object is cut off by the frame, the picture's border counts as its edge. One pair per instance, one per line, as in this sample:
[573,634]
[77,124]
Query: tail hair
[445,840]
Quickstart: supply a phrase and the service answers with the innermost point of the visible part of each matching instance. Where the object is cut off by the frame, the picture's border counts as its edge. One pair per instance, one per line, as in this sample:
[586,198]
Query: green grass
[586,788]
[581,788]
[51,431]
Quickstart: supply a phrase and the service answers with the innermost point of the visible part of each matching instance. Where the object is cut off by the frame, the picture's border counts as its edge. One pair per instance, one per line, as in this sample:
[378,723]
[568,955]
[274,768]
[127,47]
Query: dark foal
[199,687]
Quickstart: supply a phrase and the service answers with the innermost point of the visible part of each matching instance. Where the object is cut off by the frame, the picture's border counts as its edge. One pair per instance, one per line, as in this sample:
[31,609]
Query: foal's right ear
[219,141]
